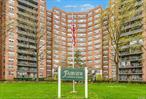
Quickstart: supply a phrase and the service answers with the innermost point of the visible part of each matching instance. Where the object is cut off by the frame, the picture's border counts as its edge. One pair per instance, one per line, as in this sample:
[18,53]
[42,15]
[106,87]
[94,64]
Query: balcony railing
[26,52]
[28,3]
[27,64]
[140,73]
[27,27]
[28,9]
[130,53]
[28,22]
[132,32]
[26,58]
[130,71]
[26,46]
[132,26]
[27,15]
[130,67]
[26,33]
[26,40]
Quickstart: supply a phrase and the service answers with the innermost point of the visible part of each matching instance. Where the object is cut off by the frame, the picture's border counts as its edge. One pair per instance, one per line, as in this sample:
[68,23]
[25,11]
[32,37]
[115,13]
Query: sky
[76,5]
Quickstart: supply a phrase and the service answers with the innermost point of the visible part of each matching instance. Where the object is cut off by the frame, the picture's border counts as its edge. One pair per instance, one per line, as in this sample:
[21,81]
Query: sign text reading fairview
[69,74]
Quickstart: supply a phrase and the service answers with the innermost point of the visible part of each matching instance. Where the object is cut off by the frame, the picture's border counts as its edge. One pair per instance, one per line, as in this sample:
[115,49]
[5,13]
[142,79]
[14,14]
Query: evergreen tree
[78,59]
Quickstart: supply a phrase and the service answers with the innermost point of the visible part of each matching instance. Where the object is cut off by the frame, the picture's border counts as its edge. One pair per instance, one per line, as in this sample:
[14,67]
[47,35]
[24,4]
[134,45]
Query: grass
[44,90]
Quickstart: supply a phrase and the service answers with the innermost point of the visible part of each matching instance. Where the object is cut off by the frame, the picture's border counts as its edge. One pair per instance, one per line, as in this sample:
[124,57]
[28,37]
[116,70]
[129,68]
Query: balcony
[132,32]
[130,72]
[26,69]
[26,58]
[130,67]
[132,26]
[140,73]
[26,52]
[136,59]
[28,22]
[27,27]
[26,33]
[27,9]
[29,3]
[26,40]
[32,71]
[26,46]
[135,78]
[130,53]
[28,15]
[26,64]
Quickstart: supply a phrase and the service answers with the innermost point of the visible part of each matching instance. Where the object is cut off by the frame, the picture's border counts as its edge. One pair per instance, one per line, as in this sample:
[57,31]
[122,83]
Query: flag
[73,30]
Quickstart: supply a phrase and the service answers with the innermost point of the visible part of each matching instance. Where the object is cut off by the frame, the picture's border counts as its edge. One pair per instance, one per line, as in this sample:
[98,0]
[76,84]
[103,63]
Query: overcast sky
[76,5]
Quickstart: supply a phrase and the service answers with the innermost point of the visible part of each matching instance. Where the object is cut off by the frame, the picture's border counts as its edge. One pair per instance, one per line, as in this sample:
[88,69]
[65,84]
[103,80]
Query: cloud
[84,7]
[70,6]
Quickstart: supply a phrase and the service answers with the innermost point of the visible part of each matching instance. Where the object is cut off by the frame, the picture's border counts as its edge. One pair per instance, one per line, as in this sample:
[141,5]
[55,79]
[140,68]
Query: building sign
[69,74]
[73,74]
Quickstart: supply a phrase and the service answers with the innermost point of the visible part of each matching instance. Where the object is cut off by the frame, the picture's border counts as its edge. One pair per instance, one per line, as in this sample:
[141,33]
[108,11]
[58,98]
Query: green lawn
[44,90]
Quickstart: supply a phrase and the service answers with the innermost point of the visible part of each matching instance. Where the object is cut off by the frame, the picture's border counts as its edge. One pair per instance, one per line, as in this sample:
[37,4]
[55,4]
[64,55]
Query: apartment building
[34,41]
[89,40]
[132,59]
[21,23]
[42,38]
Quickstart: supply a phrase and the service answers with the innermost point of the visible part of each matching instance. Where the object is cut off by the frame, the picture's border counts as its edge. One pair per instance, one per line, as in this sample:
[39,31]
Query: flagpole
[73,65]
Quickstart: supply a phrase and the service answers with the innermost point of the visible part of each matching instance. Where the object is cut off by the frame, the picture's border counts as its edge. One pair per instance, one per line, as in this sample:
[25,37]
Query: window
[11,54]
[10,73]
[10,66]
[11,60]
[90,18]
[11,2]
[11,41]
[11,48]
[11,11]
[11,35]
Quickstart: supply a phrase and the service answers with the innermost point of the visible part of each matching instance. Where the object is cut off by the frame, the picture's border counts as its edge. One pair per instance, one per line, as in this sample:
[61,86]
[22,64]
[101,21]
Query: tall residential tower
[21,22]
[89,40]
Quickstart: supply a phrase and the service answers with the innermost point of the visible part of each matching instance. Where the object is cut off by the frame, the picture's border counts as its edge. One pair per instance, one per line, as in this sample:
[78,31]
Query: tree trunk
[37,79]
[51,75]
[117,71]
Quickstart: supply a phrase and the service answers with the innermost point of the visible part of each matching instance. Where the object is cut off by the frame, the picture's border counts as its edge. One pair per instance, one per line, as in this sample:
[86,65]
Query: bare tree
[39,54]
[120,12]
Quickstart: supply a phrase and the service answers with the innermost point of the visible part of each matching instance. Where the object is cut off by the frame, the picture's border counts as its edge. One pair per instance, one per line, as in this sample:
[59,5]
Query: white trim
[86,82]
[59,82]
